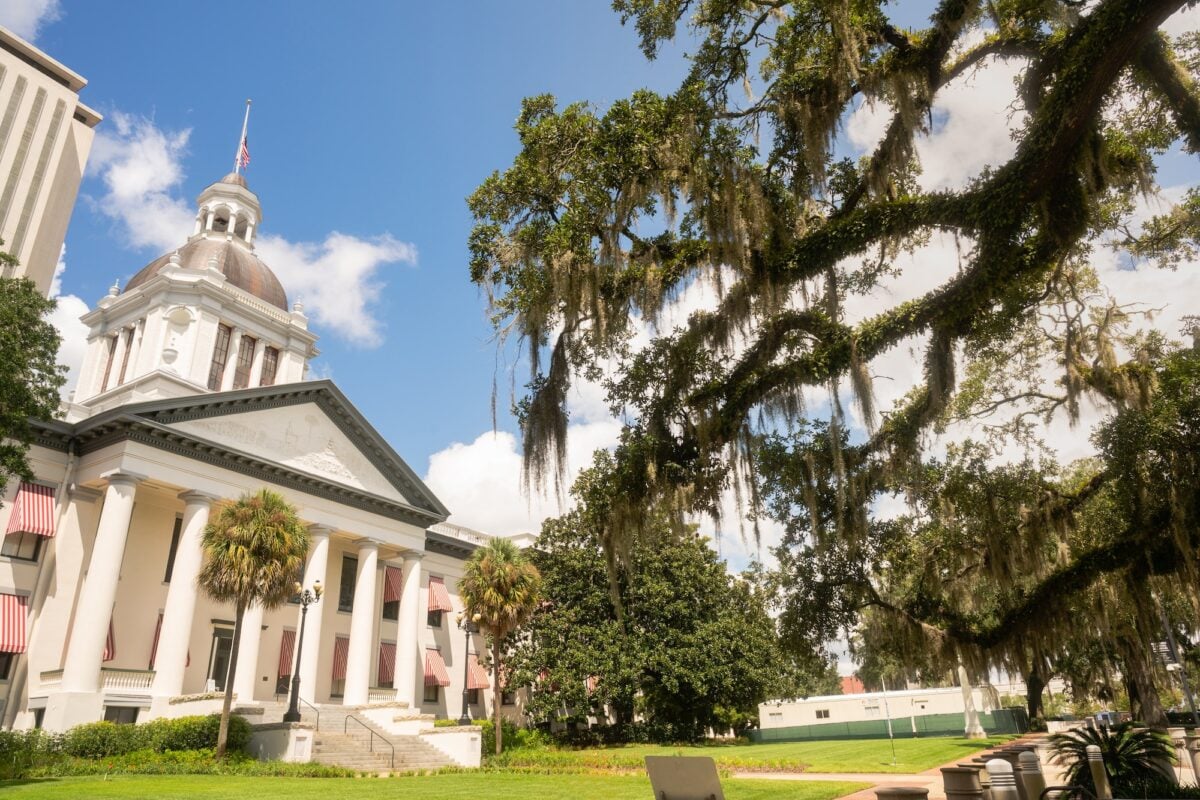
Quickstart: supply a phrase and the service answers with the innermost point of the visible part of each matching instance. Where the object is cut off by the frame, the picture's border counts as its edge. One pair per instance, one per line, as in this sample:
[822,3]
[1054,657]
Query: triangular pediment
[307,428]
[302,437]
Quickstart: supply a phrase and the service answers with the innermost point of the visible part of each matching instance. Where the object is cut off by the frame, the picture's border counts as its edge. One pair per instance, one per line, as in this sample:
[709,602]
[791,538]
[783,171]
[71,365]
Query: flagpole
[237,156]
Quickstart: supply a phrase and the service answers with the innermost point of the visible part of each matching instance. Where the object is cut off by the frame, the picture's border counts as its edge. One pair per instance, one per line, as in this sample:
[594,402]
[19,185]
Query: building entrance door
[218,660]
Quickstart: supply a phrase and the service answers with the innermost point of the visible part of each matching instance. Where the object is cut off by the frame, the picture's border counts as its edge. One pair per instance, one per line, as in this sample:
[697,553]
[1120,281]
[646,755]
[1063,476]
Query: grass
[452,786]
[861,755]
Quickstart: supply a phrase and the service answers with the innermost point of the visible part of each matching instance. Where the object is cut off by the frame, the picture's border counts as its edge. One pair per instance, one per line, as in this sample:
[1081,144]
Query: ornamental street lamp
[469,627]
[306,597]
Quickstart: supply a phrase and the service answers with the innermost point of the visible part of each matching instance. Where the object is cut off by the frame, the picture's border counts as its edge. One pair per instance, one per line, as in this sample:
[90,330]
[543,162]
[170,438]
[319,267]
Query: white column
[235,346]
[255,377]
[81,673]
[318,561]
[139,334]
[250,232]
[208,224]
[245,680]
[408,640]
[362,627]
[170,660]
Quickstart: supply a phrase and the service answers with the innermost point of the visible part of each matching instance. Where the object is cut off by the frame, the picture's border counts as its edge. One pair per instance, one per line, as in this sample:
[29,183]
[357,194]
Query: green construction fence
[1000,721]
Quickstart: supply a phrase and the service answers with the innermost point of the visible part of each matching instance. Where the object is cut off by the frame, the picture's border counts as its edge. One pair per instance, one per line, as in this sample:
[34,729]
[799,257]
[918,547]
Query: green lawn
[862,755]
[456,786]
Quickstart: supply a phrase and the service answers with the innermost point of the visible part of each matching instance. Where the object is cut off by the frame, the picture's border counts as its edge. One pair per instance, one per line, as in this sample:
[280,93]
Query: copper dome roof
[239,266]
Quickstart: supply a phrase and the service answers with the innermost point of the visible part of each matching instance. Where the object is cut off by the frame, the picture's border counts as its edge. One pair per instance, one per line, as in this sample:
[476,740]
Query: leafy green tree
[606,215]
[253,551]
[30,376]
[682,642]
[500,589]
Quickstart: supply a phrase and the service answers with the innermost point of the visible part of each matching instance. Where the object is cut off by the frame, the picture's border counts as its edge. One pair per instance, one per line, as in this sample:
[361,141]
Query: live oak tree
[30,376]
[607,215]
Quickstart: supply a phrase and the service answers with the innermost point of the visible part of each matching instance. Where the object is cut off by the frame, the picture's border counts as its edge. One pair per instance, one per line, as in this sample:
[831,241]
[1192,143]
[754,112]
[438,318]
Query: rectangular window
[508,698]
[6,662]
[22,546]
[822,713]
[434,619]
[346,588]
[39,718]
[220,356]
[125,357]
[112,353]
[472,697]
[391,610]
[432,693]
[122,715]
[269,367]
[241,373]
[174,547]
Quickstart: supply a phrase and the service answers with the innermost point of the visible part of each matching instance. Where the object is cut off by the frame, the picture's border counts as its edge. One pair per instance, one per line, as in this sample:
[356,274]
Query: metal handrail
[317,711]
[374,735]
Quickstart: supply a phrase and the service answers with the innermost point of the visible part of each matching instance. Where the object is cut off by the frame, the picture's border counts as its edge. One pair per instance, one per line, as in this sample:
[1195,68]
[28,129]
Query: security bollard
[1099,776]
[902,793]
[962,783]
[1004,783]
[1031,775]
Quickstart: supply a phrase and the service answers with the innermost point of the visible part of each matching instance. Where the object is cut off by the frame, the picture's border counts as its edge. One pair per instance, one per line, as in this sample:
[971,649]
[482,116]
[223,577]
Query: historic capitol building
[192,392]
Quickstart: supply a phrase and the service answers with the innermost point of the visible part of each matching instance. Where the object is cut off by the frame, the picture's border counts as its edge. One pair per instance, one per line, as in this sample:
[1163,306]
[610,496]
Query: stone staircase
[350,743]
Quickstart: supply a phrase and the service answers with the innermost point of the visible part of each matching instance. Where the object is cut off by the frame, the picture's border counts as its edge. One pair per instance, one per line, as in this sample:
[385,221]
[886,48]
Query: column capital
[317,530]
[121,477]
[413,555]
[83,494]
[369,544]
[197,497]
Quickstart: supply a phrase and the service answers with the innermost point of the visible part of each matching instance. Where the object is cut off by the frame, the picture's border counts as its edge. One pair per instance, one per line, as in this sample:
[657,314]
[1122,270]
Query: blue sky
[372,122]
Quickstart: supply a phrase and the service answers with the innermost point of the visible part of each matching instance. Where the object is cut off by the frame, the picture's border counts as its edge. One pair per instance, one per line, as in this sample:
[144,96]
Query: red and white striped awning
[287,646]
[341,654]
[13,608]
[435,669]
[439,596]
[387,664]
[477,677]
[392,578]
[110,644]
[33,510]
[154,647]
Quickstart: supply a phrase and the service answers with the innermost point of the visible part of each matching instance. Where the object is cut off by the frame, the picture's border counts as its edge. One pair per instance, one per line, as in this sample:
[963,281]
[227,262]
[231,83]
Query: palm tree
[500,588]
[252,554]
[1131,755]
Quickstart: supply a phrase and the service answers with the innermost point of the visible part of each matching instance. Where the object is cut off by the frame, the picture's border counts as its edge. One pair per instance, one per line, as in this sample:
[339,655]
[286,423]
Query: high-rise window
[241,373]
[270,366]
[112,353]
[220,356]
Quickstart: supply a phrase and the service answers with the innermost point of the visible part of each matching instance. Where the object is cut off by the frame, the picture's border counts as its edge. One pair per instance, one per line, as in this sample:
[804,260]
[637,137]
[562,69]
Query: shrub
[1159,788]
[20,750]
[103,740]
[1130,756]
[515,738]
[107,739]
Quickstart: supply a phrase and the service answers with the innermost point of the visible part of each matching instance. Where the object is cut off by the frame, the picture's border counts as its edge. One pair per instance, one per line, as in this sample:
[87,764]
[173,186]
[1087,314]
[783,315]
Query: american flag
[243,159]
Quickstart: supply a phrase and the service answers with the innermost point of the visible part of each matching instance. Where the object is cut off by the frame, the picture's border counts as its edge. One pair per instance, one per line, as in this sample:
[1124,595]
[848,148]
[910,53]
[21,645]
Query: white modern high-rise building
[45,137]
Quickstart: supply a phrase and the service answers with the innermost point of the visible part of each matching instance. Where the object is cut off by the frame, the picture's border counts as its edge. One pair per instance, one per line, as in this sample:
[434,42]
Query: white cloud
[339,278]
[27,17]
[65,318]
[141,166]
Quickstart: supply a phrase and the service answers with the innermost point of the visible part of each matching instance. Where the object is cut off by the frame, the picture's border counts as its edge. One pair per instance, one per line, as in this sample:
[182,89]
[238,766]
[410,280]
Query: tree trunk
[1139,682]
[230,674]
[499,729]
[1033,694]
